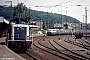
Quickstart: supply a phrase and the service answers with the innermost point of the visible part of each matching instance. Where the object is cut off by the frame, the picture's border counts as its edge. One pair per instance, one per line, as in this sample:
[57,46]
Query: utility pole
[83,22]
[48,24]
[83,18]
[86,20]
[61,18]
[47,21]
[9,2]
[10,6]
[30,15]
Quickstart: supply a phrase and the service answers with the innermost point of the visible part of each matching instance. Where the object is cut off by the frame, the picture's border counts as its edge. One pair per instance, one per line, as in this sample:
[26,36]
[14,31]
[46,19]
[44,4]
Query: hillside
[50,18]
[37,15]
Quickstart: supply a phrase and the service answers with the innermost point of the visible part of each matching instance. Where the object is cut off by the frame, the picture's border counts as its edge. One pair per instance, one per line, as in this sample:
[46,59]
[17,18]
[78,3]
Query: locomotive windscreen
[20,33]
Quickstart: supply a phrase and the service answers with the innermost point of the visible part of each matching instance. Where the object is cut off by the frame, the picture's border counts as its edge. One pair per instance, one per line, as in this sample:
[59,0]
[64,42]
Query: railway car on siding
[77,33]
[52,32]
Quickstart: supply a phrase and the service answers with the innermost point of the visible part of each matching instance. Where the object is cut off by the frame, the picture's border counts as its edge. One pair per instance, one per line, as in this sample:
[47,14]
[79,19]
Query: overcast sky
[66,7]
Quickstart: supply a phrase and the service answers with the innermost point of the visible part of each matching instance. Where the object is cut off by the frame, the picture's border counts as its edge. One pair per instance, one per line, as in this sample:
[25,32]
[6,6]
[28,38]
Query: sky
[65,7]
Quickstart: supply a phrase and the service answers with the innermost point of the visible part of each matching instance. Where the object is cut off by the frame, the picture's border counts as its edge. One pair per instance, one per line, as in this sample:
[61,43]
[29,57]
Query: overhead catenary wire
[60,5]
[74,4]
[47,6]
[77,3]
[57,5]
[25,1]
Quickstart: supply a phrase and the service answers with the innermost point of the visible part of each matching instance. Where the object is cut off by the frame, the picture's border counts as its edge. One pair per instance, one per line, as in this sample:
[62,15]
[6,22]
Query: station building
[3,26]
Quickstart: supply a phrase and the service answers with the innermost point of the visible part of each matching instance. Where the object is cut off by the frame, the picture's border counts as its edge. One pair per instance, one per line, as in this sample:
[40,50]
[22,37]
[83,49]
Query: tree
[89,26]
[20,11]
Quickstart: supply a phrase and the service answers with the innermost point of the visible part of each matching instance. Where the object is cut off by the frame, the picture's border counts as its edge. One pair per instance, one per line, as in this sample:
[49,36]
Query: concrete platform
[7,54]
[2,39]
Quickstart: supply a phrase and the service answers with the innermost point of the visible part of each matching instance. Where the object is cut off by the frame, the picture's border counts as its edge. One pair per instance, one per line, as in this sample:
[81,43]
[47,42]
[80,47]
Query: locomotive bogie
[18,45]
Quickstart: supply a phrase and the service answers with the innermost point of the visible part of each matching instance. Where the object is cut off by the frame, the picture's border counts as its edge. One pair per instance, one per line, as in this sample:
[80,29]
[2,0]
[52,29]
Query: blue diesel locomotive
[18,34]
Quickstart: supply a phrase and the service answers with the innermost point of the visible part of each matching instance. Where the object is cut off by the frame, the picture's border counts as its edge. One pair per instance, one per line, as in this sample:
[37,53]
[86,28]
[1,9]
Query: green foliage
[6,12]
[20,11]
[89,26]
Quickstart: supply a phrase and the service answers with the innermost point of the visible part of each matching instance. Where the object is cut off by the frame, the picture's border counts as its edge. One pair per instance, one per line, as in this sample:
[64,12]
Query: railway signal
[72,36]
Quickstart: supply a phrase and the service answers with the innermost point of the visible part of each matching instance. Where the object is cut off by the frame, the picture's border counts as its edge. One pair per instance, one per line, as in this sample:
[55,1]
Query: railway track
[80,43]
[76,52]
[50,51]
[83,52]
[85,44]
[66,52]
[50,48]
[63,52]
[28,56]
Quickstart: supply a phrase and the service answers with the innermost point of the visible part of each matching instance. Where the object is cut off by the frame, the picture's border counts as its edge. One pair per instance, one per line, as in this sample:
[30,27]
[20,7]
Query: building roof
[33,26]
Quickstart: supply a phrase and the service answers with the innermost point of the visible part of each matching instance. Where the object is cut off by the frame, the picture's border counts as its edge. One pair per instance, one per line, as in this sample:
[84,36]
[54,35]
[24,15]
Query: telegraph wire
[60,5]
[24,1]
[74,4]
[77,3]
[55,5]
[68,1]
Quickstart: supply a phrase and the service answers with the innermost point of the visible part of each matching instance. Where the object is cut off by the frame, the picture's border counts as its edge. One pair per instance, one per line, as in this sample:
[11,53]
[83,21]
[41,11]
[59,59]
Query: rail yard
[58,47]
[23,37]
[55,44]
